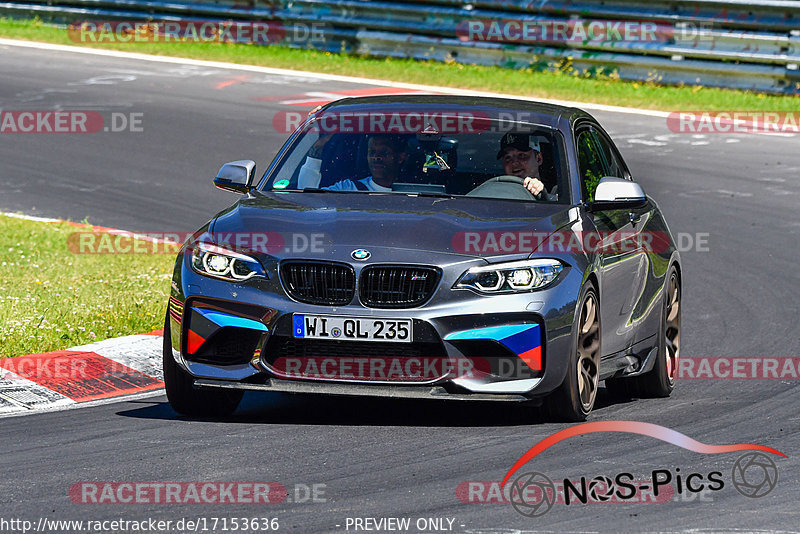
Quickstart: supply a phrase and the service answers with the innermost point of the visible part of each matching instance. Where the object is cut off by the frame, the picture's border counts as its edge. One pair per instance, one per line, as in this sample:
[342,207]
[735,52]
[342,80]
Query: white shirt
[310,176]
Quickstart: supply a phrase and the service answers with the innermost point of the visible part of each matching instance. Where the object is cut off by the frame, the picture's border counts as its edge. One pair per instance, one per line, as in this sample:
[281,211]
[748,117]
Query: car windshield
[412,153]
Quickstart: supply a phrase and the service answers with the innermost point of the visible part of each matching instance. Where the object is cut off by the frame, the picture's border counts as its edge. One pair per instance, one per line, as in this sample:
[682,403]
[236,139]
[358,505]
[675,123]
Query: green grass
[565,85]
[53,299]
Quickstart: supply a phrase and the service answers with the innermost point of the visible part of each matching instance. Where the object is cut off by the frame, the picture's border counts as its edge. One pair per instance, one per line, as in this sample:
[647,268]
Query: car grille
[397,286]
[319,282]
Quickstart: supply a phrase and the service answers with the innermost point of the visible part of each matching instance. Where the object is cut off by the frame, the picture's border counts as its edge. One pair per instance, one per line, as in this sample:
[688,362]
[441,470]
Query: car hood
[393,227]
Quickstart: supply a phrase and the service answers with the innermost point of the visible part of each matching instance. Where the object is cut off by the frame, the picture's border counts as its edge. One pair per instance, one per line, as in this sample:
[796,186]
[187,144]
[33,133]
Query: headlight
[511,277]
[212,260]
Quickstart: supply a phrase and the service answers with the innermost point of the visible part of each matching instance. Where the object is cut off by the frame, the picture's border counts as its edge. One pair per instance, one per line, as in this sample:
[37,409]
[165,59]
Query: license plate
[352,328]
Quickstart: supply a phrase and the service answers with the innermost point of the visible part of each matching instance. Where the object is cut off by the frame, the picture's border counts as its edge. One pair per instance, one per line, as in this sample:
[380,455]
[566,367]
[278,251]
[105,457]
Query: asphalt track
[400,458]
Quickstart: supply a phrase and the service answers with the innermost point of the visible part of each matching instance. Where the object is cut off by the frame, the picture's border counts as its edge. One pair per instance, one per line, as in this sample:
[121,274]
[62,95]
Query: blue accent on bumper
[493,332]
[523,341]
[519,338]
[223,319]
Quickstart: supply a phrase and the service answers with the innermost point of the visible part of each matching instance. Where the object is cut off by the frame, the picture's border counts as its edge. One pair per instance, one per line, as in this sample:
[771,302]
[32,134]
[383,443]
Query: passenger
[385,157]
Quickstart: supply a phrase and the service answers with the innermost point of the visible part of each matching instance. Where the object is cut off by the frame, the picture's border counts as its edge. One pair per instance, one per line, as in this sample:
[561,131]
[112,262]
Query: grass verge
[53,299]
[560,85]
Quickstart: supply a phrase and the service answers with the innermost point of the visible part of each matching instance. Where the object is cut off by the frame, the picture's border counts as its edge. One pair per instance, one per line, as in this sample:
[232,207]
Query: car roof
[555,116]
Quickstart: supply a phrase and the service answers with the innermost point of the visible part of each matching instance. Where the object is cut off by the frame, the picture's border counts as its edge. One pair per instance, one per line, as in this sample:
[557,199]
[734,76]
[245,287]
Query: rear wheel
[575,397]
[660,381]
[182,395]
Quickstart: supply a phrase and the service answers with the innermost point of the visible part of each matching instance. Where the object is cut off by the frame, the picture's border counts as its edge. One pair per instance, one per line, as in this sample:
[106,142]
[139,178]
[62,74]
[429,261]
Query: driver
[385,157]
[521,156]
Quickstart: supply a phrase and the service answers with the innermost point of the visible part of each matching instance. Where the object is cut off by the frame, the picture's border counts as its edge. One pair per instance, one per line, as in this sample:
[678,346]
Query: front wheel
[182,395]
[575,397]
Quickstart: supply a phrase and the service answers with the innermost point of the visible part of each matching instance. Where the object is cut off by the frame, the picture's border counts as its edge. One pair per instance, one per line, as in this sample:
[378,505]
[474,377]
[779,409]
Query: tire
[574,399]
[660,381]
[182,395]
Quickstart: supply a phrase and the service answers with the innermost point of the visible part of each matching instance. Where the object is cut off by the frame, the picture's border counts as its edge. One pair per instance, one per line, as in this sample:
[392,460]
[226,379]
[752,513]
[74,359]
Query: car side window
[613,160]
[591,163]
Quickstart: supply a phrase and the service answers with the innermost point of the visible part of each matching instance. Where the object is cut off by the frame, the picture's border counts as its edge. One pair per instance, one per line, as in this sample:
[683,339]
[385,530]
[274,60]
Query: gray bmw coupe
[432,247]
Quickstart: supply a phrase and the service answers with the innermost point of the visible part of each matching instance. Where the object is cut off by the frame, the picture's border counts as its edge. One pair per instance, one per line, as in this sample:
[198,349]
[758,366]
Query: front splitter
[358,390]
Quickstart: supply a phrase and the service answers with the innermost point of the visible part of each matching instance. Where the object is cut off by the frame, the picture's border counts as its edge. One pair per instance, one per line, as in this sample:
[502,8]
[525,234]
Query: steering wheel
[501,184]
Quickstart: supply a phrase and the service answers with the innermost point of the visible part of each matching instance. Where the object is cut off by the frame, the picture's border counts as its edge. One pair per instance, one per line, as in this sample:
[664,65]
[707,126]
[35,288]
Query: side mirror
[236,176]
[617,193]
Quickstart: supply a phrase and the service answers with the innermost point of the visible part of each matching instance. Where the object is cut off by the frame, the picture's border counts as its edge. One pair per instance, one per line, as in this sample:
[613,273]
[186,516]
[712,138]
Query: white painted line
[320,76]
[646,142]
[100,229]
[30,217]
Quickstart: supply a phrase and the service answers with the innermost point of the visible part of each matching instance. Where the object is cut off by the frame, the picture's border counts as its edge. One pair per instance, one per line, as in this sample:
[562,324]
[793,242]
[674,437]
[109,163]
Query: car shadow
[298,409]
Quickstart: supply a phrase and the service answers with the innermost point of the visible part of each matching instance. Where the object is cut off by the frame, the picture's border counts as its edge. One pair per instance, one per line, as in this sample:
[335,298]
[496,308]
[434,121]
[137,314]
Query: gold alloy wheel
[588,352]
[672,334]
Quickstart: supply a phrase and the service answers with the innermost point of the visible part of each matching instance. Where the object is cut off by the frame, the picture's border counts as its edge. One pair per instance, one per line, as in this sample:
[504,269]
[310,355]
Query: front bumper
[516,347]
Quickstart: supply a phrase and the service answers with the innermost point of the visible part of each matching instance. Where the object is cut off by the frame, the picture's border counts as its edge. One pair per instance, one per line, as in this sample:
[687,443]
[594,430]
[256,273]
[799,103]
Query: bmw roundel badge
[361,254]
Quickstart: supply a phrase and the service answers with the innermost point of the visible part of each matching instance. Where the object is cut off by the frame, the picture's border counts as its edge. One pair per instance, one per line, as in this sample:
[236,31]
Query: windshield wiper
[321,190]
[307,190]
[428,194]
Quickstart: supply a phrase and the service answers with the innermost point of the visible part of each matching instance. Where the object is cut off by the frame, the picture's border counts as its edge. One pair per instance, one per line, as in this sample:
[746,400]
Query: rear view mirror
[617,193]
[236,176]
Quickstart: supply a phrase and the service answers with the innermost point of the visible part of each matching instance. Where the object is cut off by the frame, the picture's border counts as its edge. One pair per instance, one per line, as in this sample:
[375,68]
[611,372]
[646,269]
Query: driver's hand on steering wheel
[534,185]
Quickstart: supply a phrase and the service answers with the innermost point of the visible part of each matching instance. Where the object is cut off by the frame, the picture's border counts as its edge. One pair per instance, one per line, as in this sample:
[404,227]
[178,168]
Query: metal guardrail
[778,15]
[690,39]
[69,11]
[739,44]
[743,45]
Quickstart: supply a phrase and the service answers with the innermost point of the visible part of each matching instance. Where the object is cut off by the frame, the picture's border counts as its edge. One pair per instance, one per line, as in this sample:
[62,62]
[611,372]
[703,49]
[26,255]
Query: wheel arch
[592,278]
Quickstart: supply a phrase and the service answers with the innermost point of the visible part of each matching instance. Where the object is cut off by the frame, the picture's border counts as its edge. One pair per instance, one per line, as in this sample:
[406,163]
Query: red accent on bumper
[193,342]
[532,358]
